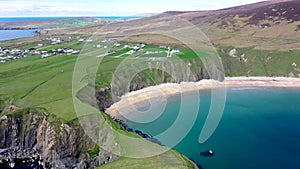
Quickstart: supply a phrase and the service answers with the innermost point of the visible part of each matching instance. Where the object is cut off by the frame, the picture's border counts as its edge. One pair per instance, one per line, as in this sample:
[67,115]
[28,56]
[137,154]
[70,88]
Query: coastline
[17,28]
[17,33]
[169,89]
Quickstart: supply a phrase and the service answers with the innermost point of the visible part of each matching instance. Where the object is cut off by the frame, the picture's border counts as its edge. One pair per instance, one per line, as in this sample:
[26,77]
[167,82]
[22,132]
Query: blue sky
[12,8]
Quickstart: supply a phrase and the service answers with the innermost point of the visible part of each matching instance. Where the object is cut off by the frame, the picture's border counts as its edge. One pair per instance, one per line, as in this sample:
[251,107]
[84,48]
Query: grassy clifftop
[34,82]
[169,160]
[37,82]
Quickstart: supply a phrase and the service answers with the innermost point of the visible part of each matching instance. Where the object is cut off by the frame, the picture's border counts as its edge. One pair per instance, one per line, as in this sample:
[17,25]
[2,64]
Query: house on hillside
[45,55]
[76,52]
[175,51]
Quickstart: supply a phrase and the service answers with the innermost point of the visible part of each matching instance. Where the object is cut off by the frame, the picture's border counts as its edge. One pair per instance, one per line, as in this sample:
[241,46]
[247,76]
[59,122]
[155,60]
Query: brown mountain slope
[263,25]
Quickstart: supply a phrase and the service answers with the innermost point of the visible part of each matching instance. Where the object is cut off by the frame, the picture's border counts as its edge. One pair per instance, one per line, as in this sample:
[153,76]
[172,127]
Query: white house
[76,52]
[45,55]
[175,51]
[130,52]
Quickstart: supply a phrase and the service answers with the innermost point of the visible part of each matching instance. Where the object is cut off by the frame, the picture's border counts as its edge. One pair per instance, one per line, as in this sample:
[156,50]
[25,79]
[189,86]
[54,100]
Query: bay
[15,34]
[260,128]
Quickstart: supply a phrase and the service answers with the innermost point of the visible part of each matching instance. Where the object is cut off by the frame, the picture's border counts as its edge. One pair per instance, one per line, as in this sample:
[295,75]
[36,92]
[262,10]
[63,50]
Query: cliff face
[32,137]
[156,73]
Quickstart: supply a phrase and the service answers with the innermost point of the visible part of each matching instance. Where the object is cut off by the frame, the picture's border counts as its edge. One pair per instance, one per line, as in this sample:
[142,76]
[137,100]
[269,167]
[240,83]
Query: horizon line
[78,16]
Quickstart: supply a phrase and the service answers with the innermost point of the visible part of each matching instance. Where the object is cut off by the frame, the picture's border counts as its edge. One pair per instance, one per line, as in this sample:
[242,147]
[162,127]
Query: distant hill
[267,25]
[264,25]
[53,23]
[265,36]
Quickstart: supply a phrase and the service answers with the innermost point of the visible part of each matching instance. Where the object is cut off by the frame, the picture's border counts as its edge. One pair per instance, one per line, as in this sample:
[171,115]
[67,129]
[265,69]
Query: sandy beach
[169,89]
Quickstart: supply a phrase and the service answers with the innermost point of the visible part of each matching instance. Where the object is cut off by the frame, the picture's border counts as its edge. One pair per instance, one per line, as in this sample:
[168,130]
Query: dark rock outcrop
[31,135]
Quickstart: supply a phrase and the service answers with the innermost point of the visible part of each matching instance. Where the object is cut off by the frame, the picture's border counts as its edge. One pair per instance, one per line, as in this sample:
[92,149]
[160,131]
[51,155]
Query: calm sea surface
[260,129]
[15,34]
[18,19]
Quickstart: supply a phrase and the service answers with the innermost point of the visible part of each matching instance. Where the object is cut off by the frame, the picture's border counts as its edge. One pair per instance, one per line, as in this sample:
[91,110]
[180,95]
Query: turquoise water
[260,129]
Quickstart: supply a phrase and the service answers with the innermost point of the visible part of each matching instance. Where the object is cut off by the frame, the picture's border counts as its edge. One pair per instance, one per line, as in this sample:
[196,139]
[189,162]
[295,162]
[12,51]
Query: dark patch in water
[142,134]
[207,153]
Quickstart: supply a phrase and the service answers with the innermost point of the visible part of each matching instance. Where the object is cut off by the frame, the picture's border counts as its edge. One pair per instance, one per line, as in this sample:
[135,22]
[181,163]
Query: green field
[36,82]
[46,83]
[169,160]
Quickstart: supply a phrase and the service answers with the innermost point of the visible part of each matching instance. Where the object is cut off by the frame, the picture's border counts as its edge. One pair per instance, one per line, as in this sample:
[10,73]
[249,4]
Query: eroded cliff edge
[33,136]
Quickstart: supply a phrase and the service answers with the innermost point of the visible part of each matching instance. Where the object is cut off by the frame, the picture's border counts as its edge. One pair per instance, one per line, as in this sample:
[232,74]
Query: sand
[169,89]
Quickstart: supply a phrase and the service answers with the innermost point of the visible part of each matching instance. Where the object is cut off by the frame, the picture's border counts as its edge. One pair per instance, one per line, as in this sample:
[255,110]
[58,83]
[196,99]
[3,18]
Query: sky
[17,8]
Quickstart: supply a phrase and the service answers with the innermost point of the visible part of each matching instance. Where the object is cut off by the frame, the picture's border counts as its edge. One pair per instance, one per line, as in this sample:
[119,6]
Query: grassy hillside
[169,160]
[253,62]
[249,43]
[33,82]
[267,25]
[36,82]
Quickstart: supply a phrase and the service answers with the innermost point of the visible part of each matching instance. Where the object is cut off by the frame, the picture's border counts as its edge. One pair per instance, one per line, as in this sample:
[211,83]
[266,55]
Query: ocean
[18,19]
[15,34]
[260,129]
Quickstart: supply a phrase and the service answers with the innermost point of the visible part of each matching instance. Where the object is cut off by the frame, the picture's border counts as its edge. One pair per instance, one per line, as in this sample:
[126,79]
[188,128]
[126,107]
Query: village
[16,53]
[140,50]
[7,54]
[51,46]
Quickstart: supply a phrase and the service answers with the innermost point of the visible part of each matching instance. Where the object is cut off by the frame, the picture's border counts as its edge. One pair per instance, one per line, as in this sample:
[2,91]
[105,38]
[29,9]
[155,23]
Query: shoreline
[16,28]
[170,89]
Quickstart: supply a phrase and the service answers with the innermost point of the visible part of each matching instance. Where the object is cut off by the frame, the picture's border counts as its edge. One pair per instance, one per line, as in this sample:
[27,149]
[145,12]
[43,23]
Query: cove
[260,128]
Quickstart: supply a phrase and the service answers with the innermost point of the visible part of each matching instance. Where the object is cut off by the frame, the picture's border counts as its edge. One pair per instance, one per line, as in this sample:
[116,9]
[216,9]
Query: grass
[94,152]
[168,160]
[73,44]
[47,83]
[282,37]
[40,82]
[260,62]
[120,52]
[189,54]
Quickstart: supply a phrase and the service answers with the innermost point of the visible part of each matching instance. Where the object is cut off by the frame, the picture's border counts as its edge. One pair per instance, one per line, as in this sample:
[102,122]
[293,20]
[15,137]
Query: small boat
[208,153]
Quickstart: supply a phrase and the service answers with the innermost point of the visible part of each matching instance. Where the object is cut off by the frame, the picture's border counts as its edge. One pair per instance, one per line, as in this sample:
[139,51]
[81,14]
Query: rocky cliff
[33,138]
